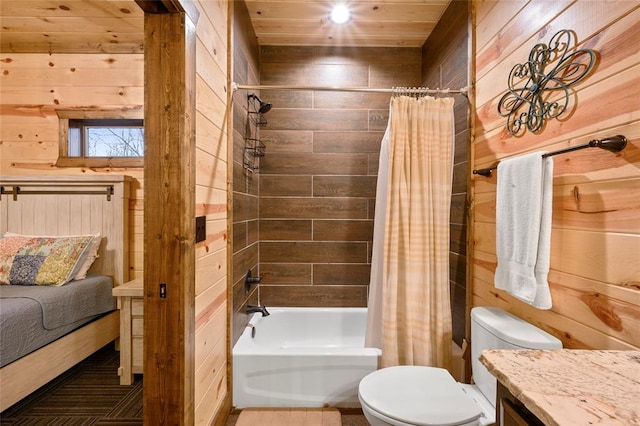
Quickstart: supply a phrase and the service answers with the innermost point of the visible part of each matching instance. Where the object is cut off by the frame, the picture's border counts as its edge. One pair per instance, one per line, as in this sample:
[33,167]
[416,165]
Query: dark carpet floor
[88,394]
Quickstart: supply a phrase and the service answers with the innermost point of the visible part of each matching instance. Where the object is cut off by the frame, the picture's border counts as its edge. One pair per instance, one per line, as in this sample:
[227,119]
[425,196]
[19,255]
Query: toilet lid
[424,396]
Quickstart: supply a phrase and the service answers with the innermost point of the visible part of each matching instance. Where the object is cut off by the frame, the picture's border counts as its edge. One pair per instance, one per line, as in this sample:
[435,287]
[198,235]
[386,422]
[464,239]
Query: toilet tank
[493,328]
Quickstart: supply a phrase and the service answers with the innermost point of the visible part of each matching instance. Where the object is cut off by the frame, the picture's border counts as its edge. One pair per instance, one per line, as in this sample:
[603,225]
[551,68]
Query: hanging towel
[523,227]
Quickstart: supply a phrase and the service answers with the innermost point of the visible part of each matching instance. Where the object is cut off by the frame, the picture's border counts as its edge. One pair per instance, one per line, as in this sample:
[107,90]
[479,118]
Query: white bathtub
[302,357]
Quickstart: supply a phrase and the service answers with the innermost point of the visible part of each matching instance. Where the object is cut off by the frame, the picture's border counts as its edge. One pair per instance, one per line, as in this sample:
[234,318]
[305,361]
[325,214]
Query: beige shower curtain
[413,286]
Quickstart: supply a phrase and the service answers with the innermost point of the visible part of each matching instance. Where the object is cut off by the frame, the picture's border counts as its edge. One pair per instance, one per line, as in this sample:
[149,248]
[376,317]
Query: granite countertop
[571,387]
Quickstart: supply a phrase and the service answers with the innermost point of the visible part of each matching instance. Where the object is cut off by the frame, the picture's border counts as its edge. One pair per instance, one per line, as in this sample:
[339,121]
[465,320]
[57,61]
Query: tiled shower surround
[304,219]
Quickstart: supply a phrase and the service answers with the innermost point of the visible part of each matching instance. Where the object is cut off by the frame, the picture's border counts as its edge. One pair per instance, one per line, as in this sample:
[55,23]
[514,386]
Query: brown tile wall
[445,64]
[246,185]
[318,178]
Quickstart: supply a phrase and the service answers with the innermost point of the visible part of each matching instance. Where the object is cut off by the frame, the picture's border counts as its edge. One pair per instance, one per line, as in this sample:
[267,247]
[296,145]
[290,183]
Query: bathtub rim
[246,345]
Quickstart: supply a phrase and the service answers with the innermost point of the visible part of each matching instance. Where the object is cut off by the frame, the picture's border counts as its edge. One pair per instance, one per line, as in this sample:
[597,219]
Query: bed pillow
[92,253]
[32,260]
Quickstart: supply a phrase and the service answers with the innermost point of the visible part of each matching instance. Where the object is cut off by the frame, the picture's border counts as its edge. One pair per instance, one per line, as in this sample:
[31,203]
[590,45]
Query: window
[101,138]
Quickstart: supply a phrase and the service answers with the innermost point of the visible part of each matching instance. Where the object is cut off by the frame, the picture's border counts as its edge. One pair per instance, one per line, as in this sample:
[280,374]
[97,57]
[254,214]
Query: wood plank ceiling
[71,26]
[384,23]
[116,26]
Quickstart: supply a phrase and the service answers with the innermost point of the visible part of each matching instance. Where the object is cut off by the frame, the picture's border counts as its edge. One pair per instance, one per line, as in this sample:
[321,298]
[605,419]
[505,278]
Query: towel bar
[614,144]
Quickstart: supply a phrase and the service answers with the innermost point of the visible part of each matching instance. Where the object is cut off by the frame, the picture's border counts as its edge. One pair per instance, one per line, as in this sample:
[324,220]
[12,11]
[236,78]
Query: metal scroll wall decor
[539,88]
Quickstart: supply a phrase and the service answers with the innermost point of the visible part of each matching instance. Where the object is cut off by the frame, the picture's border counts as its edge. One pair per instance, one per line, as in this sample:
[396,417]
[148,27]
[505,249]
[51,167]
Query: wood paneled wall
[169,209]
[246,183]
[445,64]
[212,399]
[595,242]
[34,85]
[318,178]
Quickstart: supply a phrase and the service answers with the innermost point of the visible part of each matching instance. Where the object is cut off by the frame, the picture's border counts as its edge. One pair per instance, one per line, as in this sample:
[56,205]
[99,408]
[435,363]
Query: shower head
[264,107]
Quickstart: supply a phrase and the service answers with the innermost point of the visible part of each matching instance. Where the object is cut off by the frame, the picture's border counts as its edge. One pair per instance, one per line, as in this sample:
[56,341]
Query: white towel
[523,227]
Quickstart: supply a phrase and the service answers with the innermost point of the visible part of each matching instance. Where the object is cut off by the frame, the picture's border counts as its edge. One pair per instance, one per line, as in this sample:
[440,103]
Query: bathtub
[302,357]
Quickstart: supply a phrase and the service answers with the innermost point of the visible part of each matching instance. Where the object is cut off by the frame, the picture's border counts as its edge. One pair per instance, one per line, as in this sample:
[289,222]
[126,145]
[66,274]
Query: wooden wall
[595,243]
[318,178]
[34,85]
[246,183]
[445,64]
[212,399]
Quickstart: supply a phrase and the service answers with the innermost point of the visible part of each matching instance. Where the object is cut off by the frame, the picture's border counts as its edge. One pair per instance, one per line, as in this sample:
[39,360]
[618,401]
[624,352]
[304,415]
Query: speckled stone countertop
[571,387]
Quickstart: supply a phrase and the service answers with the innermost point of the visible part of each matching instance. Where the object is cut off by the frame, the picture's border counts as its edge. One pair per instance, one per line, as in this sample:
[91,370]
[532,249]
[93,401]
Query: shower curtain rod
[410,90]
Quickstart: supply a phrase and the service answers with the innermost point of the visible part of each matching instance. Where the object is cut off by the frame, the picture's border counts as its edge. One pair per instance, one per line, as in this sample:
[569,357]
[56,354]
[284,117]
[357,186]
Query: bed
[66,322]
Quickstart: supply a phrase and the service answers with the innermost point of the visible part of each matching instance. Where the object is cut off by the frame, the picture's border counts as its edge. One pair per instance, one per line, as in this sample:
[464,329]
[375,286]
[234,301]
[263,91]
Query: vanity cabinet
[511,412]
[131,305]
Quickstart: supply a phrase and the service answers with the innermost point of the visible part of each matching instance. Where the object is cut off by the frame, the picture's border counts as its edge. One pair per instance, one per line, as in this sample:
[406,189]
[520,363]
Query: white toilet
[421,396]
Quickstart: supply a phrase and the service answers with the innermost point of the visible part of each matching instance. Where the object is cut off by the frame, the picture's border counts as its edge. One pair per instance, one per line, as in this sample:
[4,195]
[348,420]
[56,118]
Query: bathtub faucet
[253,308]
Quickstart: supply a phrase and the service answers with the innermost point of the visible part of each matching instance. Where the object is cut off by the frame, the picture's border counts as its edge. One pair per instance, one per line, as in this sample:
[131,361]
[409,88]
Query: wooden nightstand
[131,303]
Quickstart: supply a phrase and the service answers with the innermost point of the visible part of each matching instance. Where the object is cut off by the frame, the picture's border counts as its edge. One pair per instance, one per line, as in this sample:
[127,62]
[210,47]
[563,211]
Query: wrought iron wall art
[539,88]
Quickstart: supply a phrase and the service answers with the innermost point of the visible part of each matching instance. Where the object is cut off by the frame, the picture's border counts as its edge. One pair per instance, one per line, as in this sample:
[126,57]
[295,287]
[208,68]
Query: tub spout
[253,308]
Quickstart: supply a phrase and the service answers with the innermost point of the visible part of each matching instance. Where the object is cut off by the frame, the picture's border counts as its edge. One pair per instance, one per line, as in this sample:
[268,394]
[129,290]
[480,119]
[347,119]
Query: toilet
[421,396]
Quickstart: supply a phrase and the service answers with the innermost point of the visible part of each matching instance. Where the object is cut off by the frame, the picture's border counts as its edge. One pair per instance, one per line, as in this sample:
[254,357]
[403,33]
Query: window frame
[65,115]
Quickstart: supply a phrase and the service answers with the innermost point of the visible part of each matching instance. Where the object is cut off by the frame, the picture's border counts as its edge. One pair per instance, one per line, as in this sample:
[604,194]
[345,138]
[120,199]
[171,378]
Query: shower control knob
[250,280]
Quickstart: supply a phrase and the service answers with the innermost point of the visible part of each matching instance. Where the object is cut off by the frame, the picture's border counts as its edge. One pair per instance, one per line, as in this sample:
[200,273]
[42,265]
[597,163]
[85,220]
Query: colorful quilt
[41,260]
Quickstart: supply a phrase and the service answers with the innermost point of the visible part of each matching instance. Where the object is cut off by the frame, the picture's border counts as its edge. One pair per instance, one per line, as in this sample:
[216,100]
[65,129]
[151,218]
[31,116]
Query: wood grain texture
[609,206]
[344,186]
[595,246]
[286,273]
[285,230]
[309,119]
[120,34]
[312,164]
[74,214]
[563,387]
[334,138]
[324,145]
[287,141]
[38,83]
[313,208]
[609,311]
[286,185]
[313,252]
[347,142]
[314,296]
[341,274]
[245,207]
[169,207]
[343,230]
[245,186]
[289,417]
[241,258]
[131,342]
[305,23]
[29,132]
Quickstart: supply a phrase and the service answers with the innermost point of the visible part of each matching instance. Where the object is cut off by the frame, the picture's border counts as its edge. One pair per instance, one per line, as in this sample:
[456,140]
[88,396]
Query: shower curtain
[409,308]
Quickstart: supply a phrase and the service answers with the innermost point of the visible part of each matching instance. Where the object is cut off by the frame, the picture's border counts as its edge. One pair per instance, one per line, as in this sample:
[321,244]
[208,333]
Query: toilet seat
[421,396]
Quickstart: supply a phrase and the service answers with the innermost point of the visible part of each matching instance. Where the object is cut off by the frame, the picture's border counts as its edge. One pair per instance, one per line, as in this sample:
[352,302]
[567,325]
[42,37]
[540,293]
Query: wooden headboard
[72,205]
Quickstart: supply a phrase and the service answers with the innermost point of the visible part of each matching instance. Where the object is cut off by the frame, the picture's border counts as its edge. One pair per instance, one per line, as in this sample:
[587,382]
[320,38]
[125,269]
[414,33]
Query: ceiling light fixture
[340,14]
